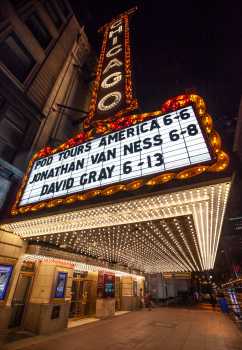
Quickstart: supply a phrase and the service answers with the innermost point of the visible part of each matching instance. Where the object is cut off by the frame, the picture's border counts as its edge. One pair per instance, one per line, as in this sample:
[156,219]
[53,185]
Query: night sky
[178,45]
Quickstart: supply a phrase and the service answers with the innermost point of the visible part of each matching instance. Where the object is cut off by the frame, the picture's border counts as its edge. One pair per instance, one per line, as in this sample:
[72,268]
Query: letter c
[114,50]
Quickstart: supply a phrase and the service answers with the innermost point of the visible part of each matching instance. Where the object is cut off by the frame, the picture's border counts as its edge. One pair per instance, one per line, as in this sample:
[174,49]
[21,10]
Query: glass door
[76,299]
[20,299]
[81,298]
[117,294]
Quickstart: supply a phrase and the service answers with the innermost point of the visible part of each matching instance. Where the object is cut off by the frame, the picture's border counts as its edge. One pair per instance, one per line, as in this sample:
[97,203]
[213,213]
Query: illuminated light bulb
[151,209]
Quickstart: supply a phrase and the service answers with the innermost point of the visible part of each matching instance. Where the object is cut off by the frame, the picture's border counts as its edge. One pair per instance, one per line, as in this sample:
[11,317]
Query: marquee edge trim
[111,125]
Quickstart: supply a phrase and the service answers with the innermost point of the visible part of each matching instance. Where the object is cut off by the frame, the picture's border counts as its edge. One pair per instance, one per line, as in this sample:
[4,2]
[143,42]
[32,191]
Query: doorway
[117,294]
[20,299]
[81,298]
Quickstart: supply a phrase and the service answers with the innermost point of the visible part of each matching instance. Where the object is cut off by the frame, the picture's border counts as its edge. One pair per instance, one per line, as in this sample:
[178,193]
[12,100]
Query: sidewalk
[161,328]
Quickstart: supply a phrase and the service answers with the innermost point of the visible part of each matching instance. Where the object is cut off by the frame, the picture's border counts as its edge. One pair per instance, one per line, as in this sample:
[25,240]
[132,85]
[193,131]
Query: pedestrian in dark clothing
[142,301]
[148,303]
[213,300]
[223,304]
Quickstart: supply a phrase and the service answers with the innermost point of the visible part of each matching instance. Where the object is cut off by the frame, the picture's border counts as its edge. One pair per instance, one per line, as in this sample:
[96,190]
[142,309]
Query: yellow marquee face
[219,163]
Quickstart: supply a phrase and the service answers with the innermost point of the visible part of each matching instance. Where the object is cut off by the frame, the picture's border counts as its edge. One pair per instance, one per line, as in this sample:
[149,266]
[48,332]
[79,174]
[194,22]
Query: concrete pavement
[161,328]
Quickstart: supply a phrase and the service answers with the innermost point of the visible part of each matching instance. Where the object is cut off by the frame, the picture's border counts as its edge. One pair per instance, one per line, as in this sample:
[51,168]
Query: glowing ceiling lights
[145,246]
[77,265]
[178,231]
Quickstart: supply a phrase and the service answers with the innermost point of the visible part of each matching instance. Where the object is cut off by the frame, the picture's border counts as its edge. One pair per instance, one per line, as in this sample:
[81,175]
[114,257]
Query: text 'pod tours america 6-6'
[157,145]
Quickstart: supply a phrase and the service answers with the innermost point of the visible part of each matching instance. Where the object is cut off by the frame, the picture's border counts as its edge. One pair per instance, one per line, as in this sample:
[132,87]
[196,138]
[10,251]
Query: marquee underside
[178,231]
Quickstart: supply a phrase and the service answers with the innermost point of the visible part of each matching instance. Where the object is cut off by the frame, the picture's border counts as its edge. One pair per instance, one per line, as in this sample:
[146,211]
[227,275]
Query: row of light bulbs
[79,267]
[153,246]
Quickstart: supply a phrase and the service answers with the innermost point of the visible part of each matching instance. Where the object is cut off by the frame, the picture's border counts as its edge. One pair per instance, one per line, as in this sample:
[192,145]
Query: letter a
[113,63]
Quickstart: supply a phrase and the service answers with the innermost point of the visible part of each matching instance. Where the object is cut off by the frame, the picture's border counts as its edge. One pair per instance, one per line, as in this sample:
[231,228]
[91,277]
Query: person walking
[223,303]
[148,303]
[213,300]
[142,301]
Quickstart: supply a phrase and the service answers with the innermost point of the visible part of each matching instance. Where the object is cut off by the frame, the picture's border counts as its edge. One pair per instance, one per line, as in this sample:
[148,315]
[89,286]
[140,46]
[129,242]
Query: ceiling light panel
[171,232]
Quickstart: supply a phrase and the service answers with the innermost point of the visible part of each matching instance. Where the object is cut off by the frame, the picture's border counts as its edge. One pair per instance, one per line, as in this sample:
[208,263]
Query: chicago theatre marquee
[140,193]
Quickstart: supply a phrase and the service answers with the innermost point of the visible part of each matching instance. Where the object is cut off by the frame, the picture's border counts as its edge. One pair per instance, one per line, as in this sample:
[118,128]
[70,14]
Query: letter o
[114,79]
[103,106]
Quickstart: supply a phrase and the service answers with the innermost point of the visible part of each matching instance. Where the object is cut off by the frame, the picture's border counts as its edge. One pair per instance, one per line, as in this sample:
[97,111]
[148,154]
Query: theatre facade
[130,196]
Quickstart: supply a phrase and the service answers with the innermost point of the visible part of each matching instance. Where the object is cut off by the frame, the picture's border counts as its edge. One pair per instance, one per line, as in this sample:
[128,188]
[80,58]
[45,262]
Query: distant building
[229,258]
[45,73]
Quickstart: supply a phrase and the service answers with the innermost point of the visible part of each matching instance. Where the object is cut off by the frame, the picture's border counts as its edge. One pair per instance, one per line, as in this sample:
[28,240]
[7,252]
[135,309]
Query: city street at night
[120,175]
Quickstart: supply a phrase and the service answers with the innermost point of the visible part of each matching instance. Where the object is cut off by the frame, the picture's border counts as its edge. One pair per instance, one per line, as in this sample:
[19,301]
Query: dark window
[52,12]
[12,130]
[64,8]
[17,119]
[10,133]
[6,152]
[16,57]
[38,29]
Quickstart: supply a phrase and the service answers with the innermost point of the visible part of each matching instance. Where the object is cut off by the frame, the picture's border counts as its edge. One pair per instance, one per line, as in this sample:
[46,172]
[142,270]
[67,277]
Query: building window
[6,152]
[16,57]
[64,8]
[52,12]
[10,140]
[12,132]
[38,29]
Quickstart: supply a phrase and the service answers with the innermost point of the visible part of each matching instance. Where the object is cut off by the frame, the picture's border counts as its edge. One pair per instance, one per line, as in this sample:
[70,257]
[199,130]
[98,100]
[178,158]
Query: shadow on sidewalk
[10,336]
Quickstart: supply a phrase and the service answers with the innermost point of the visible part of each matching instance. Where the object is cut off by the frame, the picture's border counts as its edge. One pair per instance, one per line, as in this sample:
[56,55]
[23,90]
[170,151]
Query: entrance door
[19,299]
[86,297]
[80,301]
[77,290]
[117,294]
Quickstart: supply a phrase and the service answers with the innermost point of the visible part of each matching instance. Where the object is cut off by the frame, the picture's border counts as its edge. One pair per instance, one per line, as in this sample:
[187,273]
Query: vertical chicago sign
[112,94]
